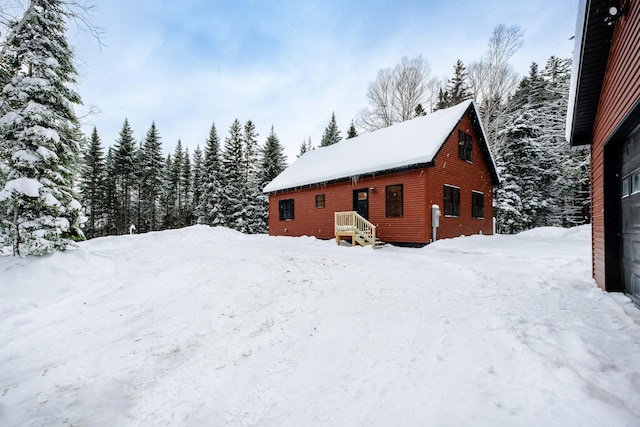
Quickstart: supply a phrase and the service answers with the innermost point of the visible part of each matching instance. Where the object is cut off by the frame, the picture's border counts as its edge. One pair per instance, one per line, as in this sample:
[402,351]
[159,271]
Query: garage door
[630,210]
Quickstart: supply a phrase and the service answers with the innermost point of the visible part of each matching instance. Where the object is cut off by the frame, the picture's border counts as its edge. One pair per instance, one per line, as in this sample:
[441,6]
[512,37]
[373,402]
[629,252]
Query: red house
[604,112]
[384,184]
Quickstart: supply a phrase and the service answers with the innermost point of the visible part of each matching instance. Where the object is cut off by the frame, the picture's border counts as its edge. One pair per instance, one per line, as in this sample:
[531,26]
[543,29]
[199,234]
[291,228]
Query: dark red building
[392,177]
[604,112]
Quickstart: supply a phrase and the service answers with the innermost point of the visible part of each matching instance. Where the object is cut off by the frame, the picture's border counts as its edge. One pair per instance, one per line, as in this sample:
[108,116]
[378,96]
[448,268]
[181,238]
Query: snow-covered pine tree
[210,210]
[186,215]
[568,184]
[167,195]
[152,164]
[272,163]
[273,160]
[111,194]
[254,210]
[92,186]
[125,169]
[39,142]
[352,132]
[197,184]
[175,193]
[233,178]
[331,133]
[518,199]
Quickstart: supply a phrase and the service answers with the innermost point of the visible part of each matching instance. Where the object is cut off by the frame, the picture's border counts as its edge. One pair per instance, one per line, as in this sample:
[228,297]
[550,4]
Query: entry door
[630,211]
[361,202]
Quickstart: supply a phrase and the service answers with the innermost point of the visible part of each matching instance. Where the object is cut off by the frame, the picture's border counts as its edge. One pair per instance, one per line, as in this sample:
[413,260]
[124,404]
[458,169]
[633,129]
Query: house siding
[450,170]
[422,187]
[318,222]
[620,91]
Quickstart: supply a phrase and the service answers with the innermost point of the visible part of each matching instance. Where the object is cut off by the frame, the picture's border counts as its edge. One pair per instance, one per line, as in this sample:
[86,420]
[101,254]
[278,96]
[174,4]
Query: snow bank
[206,326]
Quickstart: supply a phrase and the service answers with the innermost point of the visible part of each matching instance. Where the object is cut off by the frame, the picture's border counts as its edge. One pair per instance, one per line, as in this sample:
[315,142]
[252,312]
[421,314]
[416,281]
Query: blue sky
[286,64]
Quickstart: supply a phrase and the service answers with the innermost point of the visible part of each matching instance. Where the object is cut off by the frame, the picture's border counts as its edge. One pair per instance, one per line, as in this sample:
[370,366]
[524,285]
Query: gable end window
[465,146]
[477,205]
[285,208]
[394,200]
[451,201]
[319,201]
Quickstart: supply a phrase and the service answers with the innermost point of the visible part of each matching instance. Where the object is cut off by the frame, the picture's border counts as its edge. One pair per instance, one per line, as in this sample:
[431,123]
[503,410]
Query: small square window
[285,209]
[319,201]
[394,200]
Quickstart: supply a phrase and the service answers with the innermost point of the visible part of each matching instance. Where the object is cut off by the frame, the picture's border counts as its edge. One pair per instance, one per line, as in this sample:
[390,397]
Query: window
[635,182]
[465,146]
[451,201]
[319,201]
[285,208]
[394,200]
[477,205]
[625,187]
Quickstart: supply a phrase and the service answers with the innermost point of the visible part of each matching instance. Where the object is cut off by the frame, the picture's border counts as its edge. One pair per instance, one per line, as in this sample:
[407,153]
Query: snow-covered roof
[413,142]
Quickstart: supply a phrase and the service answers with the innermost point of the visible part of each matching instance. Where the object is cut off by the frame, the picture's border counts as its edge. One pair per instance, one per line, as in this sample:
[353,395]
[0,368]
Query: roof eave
[592,44]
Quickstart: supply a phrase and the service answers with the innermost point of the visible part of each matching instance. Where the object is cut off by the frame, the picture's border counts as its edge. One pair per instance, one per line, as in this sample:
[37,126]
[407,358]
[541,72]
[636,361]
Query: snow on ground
[206,326]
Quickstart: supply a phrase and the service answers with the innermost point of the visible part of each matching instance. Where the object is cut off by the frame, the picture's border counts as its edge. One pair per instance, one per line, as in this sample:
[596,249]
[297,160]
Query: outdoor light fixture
[372,189]
[613,14]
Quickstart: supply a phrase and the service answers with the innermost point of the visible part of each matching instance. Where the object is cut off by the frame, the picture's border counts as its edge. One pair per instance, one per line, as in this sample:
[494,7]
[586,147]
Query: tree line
[134,187]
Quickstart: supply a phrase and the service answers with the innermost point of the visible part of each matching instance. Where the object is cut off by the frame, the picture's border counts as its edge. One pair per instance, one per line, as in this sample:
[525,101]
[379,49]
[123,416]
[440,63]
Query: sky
[287,64]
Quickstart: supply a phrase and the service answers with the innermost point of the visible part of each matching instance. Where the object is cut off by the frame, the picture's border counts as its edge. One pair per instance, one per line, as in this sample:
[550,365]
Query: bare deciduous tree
[493,79]
[395,94]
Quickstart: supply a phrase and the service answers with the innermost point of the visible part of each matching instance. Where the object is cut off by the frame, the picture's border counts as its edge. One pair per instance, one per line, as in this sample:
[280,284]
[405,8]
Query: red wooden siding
[311,221]
[469,177]
[620,90]
[421,188]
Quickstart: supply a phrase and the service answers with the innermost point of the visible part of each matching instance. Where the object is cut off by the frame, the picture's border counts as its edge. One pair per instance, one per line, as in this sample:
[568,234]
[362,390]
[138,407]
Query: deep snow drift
[206,326]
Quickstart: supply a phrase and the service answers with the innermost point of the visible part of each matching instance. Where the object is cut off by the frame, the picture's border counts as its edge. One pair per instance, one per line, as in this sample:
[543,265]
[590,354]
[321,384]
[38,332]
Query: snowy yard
[206,326]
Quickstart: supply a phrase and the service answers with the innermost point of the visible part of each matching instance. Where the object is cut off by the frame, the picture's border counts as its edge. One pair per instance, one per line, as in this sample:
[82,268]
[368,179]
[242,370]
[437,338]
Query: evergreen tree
[420,111]
[233,179]
[39,139]
[168,195]
[443,99]
[544,182]
[253,212]
[125,169]
[352,132]
[111,194]
[331,133]
[175,193]
[152,165]
[457,86]
[186,217]
[197,184]
[272,163]
[305,146]
[93,186]
[210,210]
